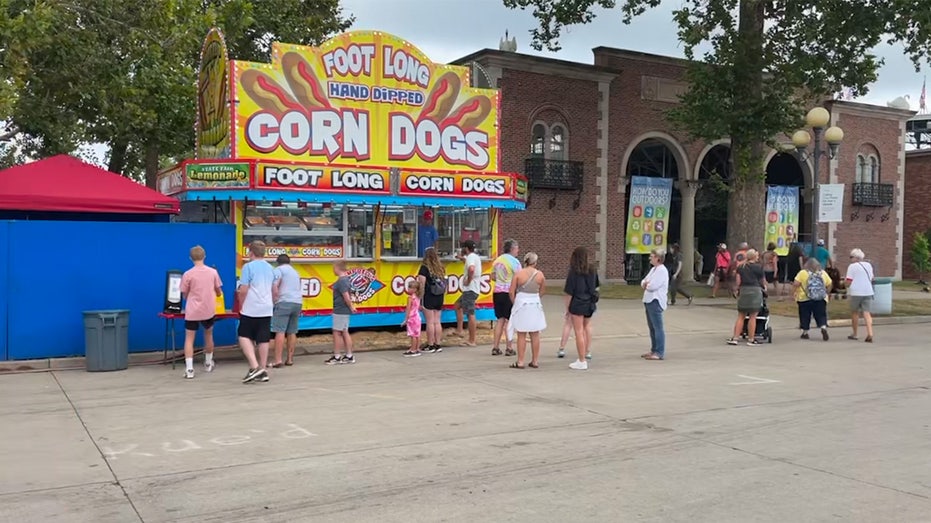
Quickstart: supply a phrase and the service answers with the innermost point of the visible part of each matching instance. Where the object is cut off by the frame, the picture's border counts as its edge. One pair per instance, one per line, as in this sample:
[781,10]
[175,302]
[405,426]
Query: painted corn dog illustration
[470,114]
[267,93]
[303,82]
[441,98]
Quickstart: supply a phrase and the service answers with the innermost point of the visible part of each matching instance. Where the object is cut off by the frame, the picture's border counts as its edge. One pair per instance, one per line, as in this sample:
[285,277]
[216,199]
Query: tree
[767,62]
[123,74]
[921,256]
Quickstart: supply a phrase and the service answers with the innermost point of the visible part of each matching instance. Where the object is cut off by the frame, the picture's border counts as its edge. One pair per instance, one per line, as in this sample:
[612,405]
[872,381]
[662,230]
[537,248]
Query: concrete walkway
[793,431]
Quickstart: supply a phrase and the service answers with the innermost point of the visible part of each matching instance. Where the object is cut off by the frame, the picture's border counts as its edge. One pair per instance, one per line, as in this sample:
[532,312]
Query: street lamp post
[817,118]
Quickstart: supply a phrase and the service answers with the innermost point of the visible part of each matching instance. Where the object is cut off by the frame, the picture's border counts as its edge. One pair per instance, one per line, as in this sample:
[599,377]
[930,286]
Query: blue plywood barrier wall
[56,270]
[4,287]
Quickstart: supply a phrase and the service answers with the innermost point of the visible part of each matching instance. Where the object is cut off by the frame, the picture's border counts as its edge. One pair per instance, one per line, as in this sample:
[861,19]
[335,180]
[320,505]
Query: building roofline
[539,64]
[638,55]
[862,109]
[918,153]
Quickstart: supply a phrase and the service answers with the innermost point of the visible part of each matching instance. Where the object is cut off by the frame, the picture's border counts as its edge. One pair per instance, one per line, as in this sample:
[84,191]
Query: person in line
[287,310]
[527,316]
[655,288]
[503,270]
[412,317]
[201,286]
[794,263]
[566,332]
[812,287]
[676,281]
[722,260]
[737,261]
[342,309]
[771,266]
[859,279]
[255,315]
[581,292]
[432,279]
[471,287]
[426,233]
[751,283]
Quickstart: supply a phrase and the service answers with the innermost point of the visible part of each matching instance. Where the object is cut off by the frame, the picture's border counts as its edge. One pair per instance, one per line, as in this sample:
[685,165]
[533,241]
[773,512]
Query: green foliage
[921,254]
[123,74]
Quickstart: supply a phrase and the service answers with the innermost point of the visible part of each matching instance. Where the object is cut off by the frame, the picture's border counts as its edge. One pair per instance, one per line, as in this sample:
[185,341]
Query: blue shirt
[426,237]
[259,276]
[290,286]
[822,255]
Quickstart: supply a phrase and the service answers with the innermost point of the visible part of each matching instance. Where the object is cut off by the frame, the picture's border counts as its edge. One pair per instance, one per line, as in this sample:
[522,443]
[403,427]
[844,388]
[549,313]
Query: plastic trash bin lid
[882,281]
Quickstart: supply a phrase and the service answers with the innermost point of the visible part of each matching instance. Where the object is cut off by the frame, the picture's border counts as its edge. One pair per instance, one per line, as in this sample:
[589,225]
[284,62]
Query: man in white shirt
[860,291]
[471,287]
[655,293]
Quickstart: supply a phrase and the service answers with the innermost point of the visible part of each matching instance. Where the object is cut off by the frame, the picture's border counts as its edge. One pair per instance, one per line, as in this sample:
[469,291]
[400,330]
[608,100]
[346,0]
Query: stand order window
[302,231]
[455,226]
[399,232]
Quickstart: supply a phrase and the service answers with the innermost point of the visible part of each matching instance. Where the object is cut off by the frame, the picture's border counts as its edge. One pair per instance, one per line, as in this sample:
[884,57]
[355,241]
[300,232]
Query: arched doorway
[653,157]
[711,203]
[786,170]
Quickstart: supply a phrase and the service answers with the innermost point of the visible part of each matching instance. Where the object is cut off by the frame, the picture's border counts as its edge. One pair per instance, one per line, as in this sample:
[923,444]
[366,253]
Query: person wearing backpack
[432,278]
[812,286]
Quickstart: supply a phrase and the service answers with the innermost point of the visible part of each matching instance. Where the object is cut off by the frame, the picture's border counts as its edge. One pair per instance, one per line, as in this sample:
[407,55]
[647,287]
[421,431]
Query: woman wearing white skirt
[527,316]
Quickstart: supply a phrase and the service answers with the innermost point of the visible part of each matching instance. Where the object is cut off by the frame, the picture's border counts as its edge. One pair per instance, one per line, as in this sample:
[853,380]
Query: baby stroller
[763,329]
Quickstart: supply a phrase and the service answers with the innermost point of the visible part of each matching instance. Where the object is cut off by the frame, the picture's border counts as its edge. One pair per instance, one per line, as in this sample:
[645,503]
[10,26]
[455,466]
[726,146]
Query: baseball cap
[722,245]
[820,242]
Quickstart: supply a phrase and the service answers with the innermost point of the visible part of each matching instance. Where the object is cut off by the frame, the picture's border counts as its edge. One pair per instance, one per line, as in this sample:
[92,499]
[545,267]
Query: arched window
[861,169]
[557,143]
[874,169]
[538,140]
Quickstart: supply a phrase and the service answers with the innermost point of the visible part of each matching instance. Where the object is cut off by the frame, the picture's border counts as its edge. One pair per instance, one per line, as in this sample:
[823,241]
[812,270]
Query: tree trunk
[747,206]
[118,150]
[151,164]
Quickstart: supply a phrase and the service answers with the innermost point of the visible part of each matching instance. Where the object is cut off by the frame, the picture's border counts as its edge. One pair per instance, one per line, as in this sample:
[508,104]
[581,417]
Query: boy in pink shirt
[201,287]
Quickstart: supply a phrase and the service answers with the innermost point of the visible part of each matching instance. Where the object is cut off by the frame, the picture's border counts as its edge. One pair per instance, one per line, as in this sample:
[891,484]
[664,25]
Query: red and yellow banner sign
[329,179]
[364,98]
[459,184]
[379,284]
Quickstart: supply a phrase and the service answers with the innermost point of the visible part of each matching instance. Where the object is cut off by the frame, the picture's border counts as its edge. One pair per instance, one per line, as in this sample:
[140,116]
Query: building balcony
[873,194]
[561,175]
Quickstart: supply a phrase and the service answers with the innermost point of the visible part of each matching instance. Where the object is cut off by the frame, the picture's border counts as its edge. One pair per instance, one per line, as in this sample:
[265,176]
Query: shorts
[193,325]
[285,317]
[503,305]
[258,330]
[467,302]
[860,303]
[770,276]
[340,322]
[721,273]
[583,308]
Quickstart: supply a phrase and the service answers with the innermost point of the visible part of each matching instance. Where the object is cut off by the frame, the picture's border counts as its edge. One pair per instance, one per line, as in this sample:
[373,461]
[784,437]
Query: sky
[449,29]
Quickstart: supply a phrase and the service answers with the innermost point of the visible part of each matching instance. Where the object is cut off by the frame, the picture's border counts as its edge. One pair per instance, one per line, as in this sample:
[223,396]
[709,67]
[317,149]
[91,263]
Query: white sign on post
[831,203]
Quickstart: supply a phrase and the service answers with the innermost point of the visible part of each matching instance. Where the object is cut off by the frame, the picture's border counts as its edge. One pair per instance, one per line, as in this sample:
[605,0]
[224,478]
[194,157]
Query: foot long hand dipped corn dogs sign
[363,98]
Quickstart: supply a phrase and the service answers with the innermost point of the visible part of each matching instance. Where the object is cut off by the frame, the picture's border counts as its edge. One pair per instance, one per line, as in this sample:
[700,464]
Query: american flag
[921,101]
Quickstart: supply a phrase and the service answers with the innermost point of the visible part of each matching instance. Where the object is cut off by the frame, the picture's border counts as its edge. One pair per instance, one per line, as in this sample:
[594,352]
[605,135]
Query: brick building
[917,196]
[581,131]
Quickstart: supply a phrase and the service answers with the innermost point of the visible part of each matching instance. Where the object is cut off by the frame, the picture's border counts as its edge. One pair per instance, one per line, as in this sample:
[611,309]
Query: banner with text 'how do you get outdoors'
[648,214]
[781,218]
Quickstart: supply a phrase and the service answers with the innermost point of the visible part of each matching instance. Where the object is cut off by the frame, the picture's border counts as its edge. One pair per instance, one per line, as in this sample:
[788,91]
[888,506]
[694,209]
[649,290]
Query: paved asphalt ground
[793,431]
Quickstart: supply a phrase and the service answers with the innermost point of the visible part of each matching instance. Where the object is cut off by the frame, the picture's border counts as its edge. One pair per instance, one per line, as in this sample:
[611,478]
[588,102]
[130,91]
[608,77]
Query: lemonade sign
[363,98]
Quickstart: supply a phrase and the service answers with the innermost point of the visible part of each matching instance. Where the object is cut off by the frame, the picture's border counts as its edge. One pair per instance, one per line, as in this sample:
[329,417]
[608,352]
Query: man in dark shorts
[471,287]
[255,315]
[502,273]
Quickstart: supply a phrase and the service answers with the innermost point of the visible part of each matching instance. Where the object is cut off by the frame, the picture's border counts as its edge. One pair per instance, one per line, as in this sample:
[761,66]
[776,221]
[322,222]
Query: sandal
[516,366]
[868,339]
[647,355]
[288,363]
[496,351]
[510,352]
[533,365]
[852,337]
[653,357]
[276,365]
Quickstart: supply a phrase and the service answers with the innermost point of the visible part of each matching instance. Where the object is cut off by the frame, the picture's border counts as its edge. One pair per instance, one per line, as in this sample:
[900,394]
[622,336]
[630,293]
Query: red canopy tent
[65,184]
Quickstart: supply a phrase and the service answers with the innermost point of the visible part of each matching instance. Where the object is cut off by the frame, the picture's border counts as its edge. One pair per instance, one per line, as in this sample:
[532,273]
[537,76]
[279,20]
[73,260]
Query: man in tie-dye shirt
[502,273]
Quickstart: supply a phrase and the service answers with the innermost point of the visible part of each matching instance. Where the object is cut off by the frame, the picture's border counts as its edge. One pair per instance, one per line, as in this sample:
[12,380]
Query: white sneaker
[209,366]
[188,374]
[579,365]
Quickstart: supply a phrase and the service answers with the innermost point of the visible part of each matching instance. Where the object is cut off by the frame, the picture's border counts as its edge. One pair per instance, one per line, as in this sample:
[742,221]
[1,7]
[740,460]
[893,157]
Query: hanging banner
[781,218]
[648,214]
[831,203]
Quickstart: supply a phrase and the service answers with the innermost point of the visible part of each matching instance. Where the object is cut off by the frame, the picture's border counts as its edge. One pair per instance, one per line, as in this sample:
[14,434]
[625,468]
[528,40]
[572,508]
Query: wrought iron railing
[873,194]
[563,175]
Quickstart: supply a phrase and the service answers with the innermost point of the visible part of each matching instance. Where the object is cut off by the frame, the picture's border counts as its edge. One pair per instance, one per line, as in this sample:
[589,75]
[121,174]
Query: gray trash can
[106,340]
[882,296]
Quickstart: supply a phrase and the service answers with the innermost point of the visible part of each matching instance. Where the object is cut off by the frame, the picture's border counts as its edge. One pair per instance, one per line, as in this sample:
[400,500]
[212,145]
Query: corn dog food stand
[361,149]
